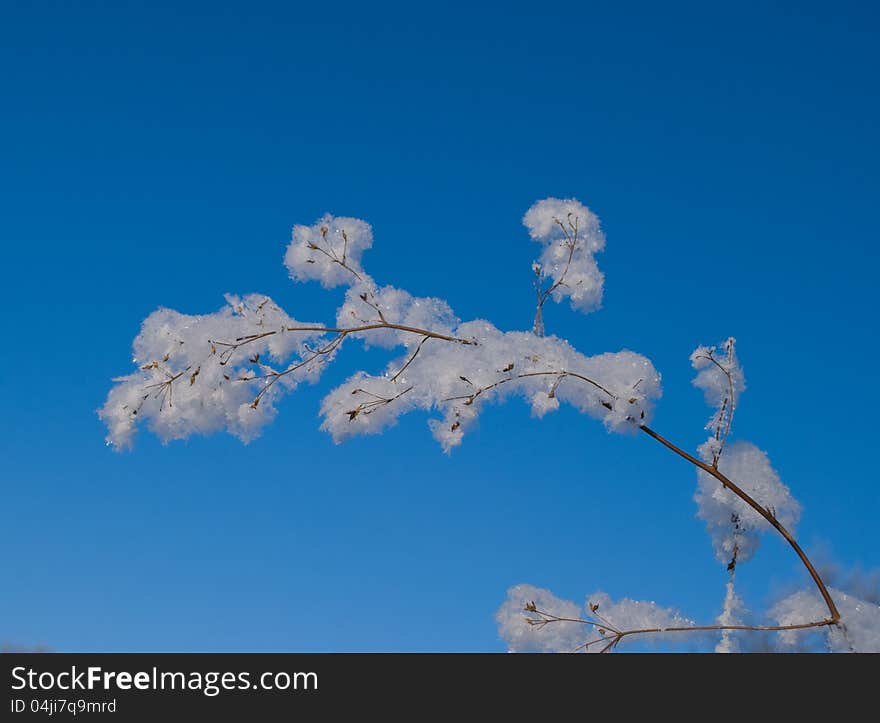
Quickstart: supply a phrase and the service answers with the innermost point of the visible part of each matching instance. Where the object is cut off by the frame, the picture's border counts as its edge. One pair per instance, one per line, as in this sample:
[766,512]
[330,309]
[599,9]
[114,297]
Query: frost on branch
[458,380]
[201,374]
[859,632]
[329,251]
[520,637]
[720,375]
[570,235]
[732,524]
[365,302]
[721,378]
[533,619]
[227,371]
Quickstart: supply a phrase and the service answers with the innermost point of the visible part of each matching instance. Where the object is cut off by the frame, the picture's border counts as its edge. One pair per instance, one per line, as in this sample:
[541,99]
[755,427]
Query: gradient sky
[158,154]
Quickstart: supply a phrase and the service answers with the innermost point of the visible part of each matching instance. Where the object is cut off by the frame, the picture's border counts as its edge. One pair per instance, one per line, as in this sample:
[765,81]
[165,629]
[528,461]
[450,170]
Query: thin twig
[561,374]
[411,359]
[384,325]
[571,241]
[603,626]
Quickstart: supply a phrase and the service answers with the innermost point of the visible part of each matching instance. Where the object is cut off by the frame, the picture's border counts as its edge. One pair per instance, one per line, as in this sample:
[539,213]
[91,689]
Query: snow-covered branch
[229,370]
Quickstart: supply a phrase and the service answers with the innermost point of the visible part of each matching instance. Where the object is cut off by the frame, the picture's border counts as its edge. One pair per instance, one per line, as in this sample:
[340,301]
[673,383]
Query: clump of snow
[458,380]
[603,618]
[858,632]
[720,376]
[731,523]
[369,305]
[571,236]
[521,637]
[192,380]
[731,614]
[201,374]
[329,251]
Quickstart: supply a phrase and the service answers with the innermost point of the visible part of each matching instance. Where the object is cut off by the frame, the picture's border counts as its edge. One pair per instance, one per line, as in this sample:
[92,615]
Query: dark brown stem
[383,325]
[765,513]
[411,359]
[615,639]
[766,628]
[611,636]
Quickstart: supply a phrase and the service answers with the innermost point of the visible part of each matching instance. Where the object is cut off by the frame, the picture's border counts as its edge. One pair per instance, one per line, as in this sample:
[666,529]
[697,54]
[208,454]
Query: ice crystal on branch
[202,374]
[458,380]
[570,235]
[329,251]
[521,636]
[449,369]
[228,371]
[721,378]
[732,524]
[533,619]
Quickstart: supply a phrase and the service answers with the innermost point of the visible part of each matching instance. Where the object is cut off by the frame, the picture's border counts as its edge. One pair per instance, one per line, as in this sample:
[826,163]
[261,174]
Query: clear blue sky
[158,154]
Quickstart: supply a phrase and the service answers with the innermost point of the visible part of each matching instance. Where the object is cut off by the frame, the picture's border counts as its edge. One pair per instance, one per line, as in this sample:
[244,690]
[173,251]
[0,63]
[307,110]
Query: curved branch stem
[712,470]
[764,512]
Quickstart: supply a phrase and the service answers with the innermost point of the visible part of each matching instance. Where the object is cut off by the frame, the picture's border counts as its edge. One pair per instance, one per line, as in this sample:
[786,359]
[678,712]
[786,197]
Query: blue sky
[158,154]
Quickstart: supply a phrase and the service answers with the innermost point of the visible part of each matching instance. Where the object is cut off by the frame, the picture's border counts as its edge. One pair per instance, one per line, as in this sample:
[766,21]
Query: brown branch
[373,404]
[331,254]
[411,359]
[367,407]
[274,376]
[343,262]
[383,325]
[712,470]
[165,387]
[603,626]
[764,512]
[571,242]
[233,346]
[705,628]
[561,374]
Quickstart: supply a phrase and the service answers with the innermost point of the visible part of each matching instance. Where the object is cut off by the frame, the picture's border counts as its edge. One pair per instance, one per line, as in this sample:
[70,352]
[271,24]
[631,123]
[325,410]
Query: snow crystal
[329,251]
[720,377]
[860,621]
[731,614]
[560,637]
[201,374]
[607,615]
[457,380]
[731,523]
[570,235]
